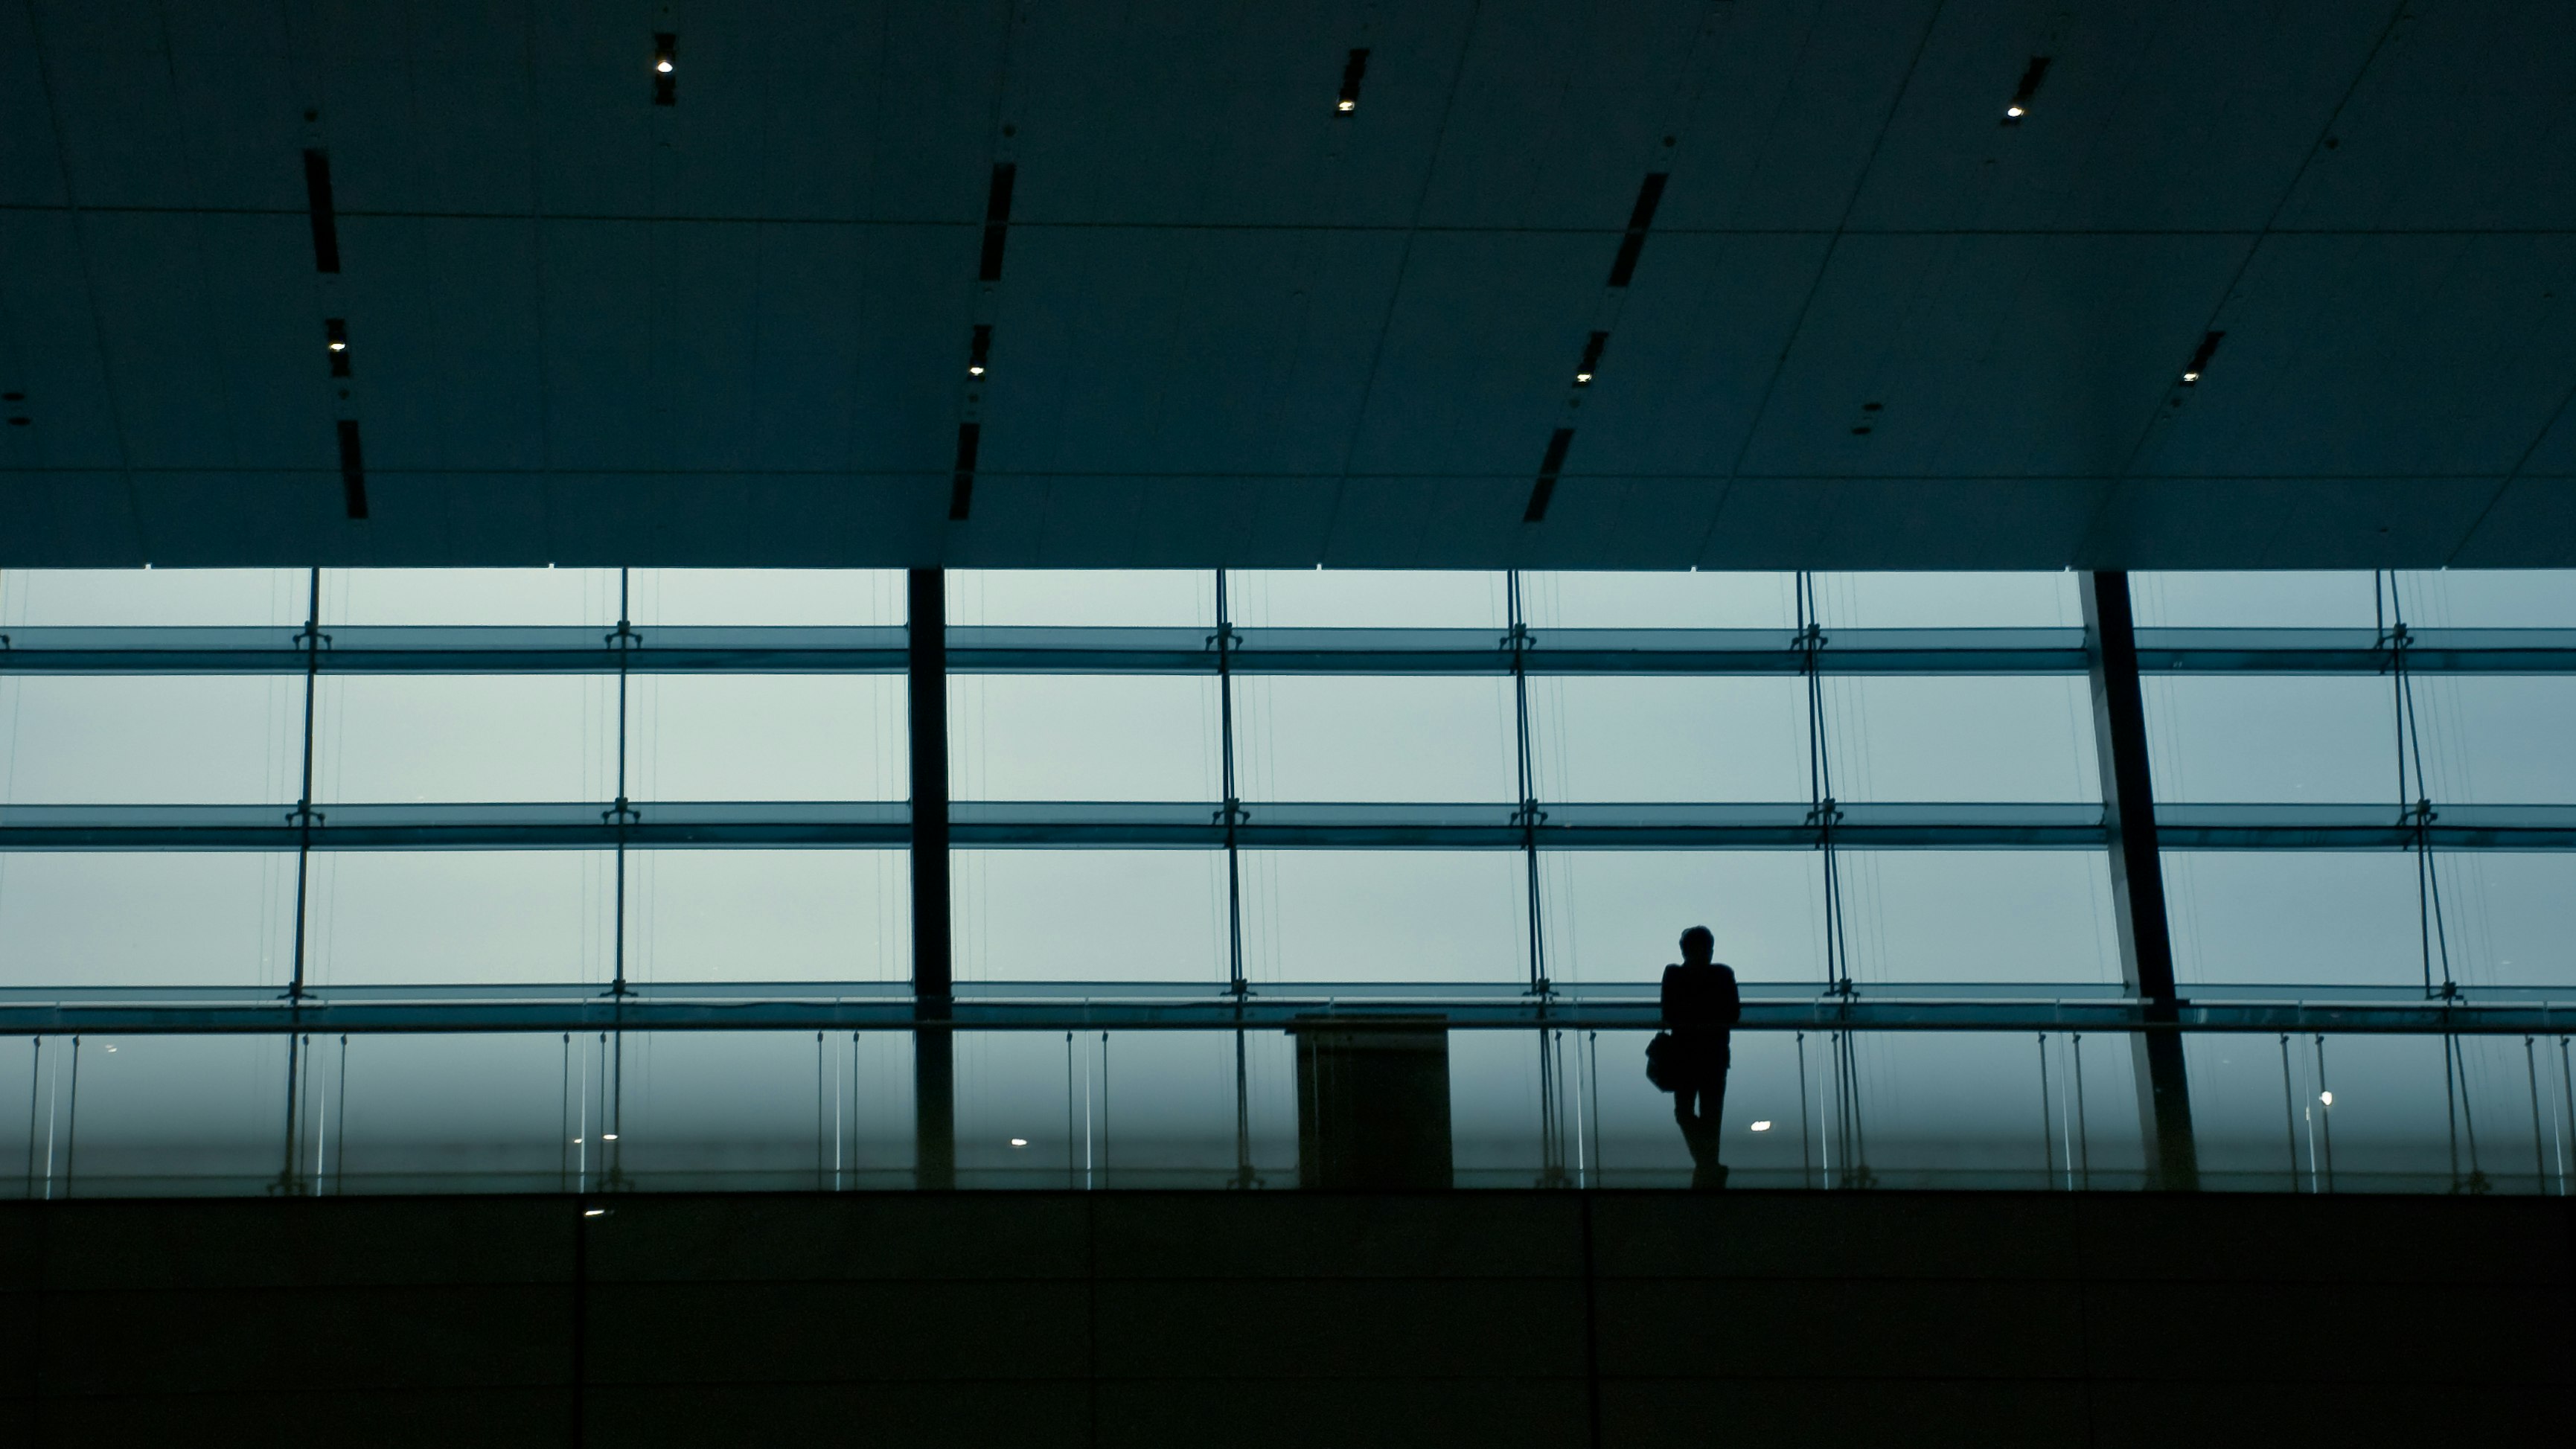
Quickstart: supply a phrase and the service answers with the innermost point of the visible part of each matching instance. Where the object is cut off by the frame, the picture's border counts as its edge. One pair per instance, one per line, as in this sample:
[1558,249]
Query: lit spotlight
[1347,106]
[594,1212]
[2190,378]
[576,1142]
[663,66]
[1582,379]
[1019,1142]
[607,1136]
[975,371]
[1762,1126]
[338,346]
[2326,1097]
[2015,112]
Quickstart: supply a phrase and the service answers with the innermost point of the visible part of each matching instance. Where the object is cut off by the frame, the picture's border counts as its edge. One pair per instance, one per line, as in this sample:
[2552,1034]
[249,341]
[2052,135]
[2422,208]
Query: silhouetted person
[1700,1007]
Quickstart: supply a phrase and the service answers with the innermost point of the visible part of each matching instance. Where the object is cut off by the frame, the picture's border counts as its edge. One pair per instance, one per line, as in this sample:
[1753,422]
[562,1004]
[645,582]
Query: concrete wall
[1496,1318]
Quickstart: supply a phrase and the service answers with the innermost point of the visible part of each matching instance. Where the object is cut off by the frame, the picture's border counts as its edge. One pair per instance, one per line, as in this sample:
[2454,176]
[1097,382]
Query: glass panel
[1618,915]
[1980,916]
[1340,915]
[1936,1109]
[765,737]
[380,917]
[1078,597]
[390,739]
[1347,739]
[2319,600]
[469,596]
[1366,599]
[146,919]
[2438,599]
[1948,600]
[1089,915]
[134,740]
[1606,738]
[100,598]
[845,597]
[810,1111]
[151,1115]
[2260,1120]
[1659,601]
[2354,919]
[769,915]
[1067,737]
[1941,738]
[2496,740]
[1132,1109]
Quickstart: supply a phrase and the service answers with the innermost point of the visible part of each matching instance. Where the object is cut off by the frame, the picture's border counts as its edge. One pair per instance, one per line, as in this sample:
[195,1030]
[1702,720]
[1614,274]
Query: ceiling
[1869,325]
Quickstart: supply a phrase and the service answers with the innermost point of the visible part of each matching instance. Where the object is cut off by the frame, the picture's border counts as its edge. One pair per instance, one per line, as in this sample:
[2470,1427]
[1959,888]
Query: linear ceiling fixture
[2027,91]
[353,471]
[1548,467]
[666,60]
[961,485]
[1640,218]
[997,219]
[2200,359]
[979,352]
[1352,70]
[1591,362]
[317,200]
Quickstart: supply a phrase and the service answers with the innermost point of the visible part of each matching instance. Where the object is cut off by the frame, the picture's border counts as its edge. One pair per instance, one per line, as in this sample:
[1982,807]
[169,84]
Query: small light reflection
[1762,1126]
[2013,111]
[2326,1097]
[1019,1142]
[607,1136]
[663,66]
[594,1212]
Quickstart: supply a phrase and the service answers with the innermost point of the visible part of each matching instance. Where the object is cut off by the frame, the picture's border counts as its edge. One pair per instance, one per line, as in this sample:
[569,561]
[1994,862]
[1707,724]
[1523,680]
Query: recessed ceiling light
[2191,377]
[1583,377]
[975,370]
[1346,106]
[664,67]
[2013,111]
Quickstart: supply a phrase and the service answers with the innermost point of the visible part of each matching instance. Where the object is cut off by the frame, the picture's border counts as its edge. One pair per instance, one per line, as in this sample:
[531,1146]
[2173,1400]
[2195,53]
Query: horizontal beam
[385,649]
[1076,825]
[869,1007]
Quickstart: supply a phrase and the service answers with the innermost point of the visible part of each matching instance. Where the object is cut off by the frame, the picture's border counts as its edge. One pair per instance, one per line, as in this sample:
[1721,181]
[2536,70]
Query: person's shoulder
[1671,970]
[1724,970]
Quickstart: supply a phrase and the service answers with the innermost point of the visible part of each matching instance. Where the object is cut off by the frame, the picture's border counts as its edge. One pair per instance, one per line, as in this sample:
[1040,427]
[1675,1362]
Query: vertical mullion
[934,1050]
[2137,879]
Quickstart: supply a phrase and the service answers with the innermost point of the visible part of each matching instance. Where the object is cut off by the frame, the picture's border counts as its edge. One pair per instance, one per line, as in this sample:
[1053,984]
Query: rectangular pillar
[934,1050]
[2137,879]
[1373,1103]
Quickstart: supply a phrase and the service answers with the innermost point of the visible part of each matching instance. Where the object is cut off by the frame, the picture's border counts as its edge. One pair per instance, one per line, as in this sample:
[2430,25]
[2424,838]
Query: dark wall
[1496,1318]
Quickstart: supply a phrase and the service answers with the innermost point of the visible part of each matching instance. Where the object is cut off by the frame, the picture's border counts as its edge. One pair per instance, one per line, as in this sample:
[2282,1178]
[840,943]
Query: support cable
[303,817]
[1231,816]
[2083,1128]
[1551,1124]
[35,1083]
[2415,807]
[2325,1112]
[2289,1113]
[1824,814]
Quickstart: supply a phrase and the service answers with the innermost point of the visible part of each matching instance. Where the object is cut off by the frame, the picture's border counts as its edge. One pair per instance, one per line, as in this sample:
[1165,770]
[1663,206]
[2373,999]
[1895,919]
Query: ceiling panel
[1156,352]
[2184,117]
[1479,348]
[1560,112]
[1172,113]
[1785,122]
[1987,355]
[49,348]
[1235,326]
[2387,354]
[2467,120]
[444,341]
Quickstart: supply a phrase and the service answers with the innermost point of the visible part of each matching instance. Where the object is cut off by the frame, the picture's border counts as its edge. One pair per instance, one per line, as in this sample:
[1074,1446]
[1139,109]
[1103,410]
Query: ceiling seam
[2164,405]
[1395,290]
[1815,283]
[89,284]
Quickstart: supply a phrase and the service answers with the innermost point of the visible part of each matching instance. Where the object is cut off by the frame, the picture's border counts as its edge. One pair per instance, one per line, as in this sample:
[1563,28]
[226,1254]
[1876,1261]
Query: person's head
[1699,944]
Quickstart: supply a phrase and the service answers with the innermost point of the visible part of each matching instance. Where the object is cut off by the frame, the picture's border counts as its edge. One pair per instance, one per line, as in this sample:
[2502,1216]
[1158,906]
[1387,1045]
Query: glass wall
[382,880]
